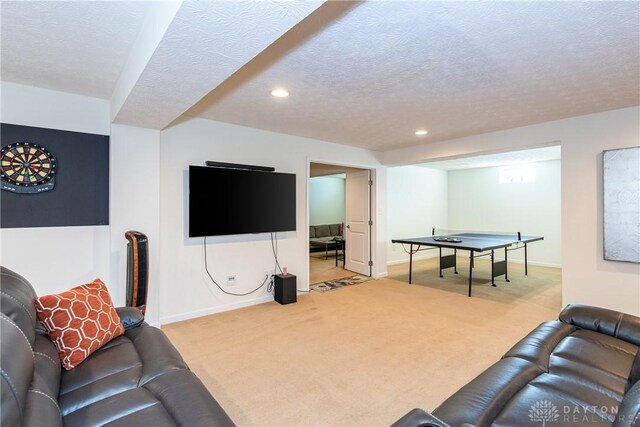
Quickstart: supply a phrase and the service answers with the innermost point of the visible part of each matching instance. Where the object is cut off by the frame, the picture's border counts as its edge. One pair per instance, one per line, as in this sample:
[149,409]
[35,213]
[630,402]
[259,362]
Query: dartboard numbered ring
[27,168]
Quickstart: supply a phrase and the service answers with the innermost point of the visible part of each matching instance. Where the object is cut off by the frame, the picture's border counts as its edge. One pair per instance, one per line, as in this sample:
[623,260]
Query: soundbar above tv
[229,200]
[239,166]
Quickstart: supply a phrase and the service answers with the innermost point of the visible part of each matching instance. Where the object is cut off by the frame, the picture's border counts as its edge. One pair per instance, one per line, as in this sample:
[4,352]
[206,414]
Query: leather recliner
[583,369]
[136,379]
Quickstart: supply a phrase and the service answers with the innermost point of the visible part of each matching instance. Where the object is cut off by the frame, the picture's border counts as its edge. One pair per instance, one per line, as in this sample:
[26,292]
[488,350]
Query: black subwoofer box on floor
[285,288]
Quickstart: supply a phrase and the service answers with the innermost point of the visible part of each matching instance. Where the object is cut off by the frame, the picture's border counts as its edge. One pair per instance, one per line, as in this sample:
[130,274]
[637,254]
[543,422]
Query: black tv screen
[236,201]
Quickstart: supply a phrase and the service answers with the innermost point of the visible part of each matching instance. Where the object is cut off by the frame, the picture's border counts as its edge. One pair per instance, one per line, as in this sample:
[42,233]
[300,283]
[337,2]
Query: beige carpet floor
[367,354]
[321,269]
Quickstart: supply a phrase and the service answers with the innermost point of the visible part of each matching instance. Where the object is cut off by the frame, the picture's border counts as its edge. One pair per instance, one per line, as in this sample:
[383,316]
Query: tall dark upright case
[286,289]
[137,269]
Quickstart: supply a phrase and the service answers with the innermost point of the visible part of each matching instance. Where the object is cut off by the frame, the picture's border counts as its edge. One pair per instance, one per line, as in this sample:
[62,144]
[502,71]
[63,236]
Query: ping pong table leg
[410,261]
[455,261]
[525,260]
[493,277]
[506,266]
[470,270]
[440,259]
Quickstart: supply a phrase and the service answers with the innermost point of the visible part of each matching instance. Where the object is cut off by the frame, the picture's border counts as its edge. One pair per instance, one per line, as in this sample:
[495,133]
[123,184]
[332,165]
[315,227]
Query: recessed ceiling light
[421,132]
[280,92]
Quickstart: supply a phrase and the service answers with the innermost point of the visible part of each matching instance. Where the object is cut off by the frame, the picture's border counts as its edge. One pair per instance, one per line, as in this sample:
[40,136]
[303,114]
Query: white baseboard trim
[381,275]
[537,263]
[213,310]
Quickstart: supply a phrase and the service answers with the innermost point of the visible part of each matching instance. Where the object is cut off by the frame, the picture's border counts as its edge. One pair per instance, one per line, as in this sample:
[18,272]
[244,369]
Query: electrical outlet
[231,280]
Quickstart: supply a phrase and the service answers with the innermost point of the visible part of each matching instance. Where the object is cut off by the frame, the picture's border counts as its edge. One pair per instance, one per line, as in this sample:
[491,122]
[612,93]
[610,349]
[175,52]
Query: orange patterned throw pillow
[79,321]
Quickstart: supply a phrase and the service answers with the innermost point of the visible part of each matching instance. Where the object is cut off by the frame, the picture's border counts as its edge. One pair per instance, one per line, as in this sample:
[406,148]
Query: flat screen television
[236,201]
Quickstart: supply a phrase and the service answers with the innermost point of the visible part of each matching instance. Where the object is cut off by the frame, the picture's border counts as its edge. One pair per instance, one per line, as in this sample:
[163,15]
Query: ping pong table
[476,244]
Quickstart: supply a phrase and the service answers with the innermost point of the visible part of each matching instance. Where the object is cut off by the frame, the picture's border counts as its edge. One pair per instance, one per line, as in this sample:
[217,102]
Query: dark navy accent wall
[81,193]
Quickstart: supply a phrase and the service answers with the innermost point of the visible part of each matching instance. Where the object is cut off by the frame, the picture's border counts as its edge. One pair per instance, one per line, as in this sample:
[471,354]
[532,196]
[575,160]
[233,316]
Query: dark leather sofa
[582,370]
[137,379]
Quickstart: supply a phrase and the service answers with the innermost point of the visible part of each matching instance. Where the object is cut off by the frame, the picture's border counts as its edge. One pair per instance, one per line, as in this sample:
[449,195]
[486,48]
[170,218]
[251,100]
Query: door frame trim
[372,210]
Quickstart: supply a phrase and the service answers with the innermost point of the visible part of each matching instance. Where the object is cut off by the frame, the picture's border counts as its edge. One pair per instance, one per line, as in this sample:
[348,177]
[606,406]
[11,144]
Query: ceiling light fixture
[421,132]
[280,92]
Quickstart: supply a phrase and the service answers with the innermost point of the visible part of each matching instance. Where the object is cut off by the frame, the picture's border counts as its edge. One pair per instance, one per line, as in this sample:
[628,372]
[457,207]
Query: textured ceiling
[364,74]
[70,46]
[373,73]
[497,159]
[206,43]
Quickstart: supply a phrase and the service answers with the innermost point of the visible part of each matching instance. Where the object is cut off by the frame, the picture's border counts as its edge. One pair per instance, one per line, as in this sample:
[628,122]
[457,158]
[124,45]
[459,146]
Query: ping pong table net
[455,236]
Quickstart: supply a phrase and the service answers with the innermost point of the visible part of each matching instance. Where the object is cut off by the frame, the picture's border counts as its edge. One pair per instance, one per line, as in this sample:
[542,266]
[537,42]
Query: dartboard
[27,168]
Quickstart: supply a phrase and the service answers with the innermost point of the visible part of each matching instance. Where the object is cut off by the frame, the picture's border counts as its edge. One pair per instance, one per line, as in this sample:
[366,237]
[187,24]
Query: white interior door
[357,229]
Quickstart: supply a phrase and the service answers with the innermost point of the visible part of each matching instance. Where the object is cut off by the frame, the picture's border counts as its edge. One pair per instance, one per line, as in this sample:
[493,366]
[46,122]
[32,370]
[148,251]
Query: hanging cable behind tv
[206,267]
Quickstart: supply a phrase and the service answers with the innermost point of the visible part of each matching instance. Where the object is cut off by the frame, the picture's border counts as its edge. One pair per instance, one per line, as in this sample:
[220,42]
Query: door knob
[348,226]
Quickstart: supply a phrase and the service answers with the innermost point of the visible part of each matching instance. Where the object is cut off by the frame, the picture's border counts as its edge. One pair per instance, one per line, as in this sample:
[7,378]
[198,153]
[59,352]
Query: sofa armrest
[419,418]
[610,322]
[130,317]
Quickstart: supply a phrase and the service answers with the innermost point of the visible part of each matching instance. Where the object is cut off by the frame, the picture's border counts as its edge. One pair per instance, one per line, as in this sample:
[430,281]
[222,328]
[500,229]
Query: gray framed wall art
[621,210]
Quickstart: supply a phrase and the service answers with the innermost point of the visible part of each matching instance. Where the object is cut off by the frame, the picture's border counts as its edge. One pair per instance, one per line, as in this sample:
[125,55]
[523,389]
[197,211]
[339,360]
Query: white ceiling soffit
[381,70]
[498,159]
[205,43]
[323,169]
[70,46]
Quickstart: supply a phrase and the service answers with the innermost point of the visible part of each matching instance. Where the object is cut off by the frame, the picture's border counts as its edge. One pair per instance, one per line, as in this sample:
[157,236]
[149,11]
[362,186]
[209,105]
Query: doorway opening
[339,219]
[512,195]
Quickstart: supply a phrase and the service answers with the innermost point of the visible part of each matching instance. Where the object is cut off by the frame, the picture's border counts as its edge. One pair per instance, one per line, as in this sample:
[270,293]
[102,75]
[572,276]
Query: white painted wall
[417,202]
[32,106]
[326,200]
[185,290]
[135,205]
[586,277]
[71,255]
[68,256]
[479,202]
[58,257]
